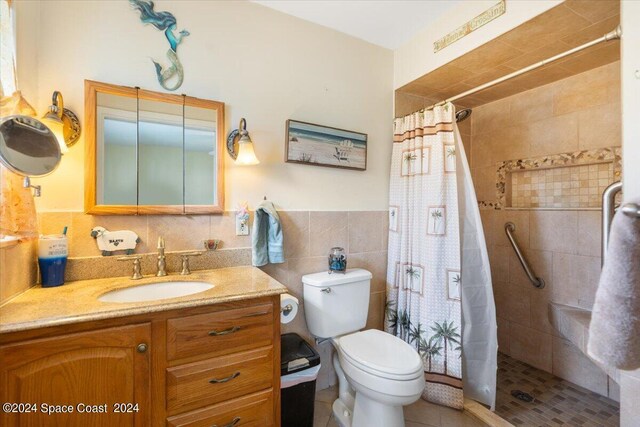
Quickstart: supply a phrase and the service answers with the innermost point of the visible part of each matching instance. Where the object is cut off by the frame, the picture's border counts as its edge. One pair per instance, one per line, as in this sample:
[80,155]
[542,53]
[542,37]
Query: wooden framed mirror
[152,153]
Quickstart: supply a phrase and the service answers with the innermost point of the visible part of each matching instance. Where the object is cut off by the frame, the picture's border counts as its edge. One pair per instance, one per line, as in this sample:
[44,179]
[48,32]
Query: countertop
[78,301]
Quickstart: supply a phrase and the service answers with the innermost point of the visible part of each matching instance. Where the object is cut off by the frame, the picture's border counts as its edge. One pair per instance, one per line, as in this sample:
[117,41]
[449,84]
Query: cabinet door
[76,373]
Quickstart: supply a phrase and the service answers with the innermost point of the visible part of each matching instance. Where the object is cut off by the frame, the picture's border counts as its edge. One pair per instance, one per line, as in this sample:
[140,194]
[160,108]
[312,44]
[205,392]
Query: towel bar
[608,210]
[631,209]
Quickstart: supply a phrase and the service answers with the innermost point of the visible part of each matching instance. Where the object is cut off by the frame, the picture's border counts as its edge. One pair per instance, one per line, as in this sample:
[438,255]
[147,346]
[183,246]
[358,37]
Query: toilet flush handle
[326,290]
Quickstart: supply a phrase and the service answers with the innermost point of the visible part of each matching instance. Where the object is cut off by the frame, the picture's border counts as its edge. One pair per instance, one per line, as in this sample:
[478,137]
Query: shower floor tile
[556,402]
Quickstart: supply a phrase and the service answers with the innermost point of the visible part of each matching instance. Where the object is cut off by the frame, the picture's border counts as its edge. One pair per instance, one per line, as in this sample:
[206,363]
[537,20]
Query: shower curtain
[439,295]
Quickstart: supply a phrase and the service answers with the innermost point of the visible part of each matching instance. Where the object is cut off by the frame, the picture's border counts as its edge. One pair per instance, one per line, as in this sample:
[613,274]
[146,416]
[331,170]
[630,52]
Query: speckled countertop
[78,301]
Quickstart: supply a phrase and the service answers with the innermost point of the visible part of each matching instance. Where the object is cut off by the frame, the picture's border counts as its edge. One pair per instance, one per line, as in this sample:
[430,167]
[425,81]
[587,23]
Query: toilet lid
[381,353]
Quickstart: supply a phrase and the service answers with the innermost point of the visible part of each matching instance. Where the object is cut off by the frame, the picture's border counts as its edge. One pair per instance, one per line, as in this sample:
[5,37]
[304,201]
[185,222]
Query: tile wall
[17,277]
[563,245]
[308,237]
[561,187]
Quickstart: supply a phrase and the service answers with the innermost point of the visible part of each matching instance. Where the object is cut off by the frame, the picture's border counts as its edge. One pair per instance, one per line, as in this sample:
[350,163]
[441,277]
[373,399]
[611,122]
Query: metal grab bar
[608,210]
[509,228]
[631,209]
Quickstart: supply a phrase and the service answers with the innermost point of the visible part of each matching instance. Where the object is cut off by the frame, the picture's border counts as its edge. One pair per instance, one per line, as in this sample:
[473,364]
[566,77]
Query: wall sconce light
[63,123]
[245,154]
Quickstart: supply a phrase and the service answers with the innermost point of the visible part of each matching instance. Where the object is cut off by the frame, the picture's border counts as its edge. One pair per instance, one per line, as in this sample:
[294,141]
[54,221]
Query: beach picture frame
[318,145]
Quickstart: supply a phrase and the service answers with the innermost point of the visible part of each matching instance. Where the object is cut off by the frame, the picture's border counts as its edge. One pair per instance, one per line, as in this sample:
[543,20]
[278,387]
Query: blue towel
[267,239]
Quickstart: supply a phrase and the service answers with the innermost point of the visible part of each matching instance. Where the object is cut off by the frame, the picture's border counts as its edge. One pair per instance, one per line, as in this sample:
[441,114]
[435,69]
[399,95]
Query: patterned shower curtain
[423,279]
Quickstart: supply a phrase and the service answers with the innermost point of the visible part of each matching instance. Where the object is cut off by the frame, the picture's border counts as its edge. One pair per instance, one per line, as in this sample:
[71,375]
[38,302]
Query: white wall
[265,65]
[630,70]
[416,57]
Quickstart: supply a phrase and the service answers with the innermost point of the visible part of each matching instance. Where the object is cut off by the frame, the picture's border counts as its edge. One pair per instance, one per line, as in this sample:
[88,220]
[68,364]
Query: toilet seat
[381,366]
[381,354]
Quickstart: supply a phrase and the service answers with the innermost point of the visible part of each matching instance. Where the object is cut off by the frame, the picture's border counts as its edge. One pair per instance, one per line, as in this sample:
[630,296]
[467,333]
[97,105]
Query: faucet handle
[137,273]
[185,262]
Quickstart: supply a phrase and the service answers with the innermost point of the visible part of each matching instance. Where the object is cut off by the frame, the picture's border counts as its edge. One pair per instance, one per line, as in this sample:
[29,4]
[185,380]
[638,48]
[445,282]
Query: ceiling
[561,28]
[386,23]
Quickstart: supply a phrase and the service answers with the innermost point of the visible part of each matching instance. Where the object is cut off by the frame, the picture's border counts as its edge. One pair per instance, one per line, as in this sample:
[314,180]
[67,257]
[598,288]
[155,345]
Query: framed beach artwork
[325,146]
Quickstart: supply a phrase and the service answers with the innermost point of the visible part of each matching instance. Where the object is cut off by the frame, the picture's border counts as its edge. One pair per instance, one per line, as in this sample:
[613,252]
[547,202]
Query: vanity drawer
[221,332]
[255,410]
[215,380]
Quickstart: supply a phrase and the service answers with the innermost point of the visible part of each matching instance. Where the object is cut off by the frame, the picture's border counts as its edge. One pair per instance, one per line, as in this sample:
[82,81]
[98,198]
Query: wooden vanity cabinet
[77,373]
[201,366]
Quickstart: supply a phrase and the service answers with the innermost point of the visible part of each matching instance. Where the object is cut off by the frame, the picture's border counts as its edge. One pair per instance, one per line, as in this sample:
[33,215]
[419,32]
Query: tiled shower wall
[563,245]
[561,187]
[308,237]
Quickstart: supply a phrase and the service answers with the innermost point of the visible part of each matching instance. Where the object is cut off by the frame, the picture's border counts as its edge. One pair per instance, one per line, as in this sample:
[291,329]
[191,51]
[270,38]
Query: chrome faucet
[162,262]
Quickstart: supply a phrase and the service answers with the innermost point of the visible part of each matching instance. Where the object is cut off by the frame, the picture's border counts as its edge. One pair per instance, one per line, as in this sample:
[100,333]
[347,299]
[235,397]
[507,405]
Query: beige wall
[563,246]
[416,57]
[265,65]
[308,237]
[630,382]
[631,98]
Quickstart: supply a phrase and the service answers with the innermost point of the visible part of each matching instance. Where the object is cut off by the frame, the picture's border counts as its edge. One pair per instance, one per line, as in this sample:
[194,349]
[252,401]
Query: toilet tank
[336,304]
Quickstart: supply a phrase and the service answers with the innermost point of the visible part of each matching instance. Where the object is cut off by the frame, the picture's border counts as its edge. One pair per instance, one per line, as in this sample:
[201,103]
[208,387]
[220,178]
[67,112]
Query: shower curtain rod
[612,35]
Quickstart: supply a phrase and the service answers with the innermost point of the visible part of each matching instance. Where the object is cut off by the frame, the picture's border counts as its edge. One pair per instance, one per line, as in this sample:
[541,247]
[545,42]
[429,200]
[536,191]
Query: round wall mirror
[28,147]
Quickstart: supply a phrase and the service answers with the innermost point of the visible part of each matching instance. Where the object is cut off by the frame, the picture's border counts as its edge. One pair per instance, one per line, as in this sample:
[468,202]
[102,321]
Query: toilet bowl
[385,373]
[378,373]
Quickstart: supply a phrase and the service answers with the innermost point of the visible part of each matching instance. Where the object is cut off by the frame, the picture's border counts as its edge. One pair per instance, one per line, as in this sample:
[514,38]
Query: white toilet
[378,373]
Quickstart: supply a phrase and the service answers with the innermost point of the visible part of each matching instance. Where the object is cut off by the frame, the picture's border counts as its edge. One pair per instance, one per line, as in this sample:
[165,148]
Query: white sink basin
[155,291]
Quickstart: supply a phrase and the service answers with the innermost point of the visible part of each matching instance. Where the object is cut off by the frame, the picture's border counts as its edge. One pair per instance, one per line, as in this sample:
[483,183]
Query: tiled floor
[420,414]
[557,402]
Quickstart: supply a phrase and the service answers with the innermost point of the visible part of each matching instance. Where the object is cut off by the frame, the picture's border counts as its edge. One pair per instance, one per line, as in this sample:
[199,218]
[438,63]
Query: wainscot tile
[295,226]
[365,231]
[327,230]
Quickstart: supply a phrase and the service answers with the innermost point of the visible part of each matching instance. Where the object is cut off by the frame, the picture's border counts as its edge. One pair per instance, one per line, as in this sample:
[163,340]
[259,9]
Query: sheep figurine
[111,241]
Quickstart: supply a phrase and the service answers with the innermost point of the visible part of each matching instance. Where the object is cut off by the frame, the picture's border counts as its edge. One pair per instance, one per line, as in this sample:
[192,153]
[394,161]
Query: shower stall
[543,143]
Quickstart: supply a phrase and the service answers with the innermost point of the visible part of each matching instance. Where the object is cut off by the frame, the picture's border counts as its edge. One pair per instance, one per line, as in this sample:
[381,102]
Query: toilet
[378,373]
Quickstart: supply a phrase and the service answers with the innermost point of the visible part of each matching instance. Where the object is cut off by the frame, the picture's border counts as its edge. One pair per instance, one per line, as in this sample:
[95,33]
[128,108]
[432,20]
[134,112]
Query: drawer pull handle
[224,380]
[233,423]
[215,333]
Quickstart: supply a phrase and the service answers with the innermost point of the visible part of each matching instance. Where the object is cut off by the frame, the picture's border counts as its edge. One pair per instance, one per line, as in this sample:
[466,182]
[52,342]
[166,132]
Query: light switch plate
[242,225]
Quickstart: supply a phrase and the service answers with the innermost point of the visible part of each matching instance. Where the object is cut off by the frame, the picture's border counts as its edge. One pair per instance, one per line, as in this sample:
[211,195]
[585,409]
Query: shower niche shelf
[574,187]
[566,181]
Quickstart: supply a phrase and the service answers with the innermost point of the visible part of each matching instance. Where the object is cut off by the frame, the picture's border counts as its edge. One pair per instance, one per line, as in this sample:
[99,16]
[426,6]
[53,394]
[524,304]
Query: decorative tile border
[583,157]
[487,205]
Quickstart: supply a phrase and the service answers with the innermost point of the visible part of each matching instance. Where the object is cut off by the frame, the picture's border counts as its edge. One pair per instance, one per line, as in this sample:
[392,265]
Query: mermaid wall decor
[164,21]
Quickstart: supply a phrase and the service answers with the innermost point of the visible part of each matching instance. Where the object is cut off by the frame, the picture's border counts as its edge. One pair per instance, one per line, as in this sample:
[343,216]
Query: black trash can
[299,367]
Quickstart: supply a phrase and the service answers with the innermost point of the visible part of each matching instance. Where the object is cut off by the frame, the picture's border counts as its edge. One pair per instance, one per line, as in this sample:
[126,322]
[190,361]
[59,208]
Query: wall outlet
[242,225]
